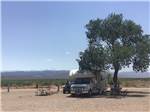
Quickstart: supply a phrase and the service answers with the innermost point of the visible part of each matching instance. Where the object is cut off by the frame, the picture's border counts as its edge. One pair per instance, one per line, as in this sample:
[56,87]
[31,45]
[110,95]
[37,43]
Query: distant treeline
[47,74]
[32,82]
[125,82]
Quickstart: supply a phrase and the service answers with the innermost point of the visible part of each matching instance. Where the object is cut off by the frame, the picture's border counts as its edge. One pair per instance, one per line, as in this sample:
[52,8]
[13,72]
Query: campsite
[75,56]
[23,98]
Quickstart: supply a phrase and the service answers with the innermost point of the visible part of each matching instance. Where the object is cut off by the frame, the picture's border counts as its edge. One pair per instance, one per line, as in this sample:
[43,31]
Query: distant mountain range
[134,74]
[60,74]
[47,74]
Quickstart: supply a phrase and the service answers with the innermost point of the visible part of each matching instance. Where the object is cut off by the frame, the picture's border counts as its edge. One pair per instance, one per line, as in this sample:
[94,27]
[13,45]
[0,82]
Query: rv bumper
[79,92]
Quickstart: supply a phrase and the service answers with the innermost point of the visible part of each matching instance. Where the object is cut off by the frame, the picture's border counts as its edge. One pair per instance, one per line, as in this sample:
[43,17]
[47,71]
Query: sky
[50,35]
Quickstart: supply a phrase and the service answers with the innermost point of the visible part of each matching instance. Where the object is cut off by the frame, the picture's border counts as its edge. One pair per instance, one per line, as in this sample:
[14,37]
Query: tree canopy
[115,43]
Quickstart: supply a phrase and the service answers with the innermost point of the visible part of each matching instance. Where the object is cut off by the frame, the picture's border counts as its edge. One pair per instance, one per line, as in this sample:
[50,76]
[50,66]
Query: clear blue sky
[50,35]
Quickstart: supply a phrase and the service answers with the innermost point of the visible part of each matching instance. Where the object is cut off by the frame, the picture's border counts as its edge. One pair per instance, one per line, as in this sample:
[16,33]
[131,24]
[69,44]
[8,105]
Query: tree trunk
[37,86]
[8,87]
[115,77]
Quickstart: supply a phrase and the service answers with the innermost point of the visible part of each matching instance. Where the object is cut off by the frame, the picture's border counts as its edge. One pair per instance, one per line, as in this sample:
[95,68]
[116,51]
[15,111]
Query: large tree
[115,43]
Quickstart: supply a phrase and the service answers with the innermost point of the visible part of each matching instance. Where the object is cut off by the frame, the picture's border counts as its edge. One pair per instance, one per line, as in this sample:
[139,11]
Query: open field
[24,100]
[135,82]
[31,82]
[21,83]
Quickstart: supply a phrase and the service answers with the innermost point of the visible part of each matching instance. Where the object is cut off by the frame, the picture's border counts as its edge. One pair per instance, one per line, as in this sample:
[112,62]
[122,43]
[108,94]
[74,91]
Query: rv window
[82,81]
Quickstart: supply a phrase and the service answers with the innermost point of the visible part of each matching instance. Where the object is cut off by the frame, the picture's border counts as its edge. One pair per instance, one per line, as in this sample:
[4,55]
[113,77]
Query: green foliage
[92,59]
[109,79]
[141,60]
[114,43]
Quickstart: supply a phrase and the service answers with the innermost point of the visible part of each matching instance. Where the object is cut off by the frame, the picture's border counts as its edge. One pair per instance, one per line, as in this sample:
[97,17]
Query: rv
[88,83]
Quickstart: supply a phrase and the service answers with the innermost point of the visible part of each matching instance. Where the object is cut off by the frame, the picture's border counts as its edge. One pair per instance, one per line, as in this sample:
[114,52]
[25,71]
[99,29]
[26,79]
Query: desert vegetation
[31,83]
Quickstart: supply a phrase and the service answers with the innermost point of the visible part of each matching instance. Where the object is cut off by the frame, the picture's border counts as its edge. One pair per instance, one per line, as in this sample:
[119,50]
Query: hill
[60,74]
[134,75]
[47,74]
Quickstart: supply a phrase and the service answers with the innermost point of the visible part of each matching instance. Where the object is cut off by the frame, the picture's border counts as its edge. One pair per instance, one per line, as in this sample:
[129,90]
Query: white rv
[87,83]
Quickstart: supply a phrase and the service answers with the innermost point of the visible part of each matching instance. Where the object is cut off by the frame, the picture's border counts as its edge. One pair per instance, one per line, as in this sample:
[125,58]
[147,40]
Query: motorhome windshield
[82,81]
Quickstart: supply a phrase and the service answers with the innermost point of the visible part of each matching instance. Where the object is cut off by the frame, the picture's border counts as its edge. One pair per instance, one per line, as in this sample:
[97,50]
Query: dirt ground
[24,100]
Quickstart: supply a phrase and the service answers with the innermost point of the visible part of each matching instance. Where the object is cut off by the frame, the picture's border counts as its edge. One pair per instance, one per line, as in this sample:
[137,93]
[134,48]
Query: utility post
[58,88]
[8,88]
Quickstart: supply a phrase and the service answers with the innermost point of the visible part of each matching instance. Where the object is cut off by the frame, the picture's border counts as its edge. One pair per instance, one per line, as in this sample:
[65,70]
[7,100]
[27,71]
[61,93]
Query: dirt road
[24,100]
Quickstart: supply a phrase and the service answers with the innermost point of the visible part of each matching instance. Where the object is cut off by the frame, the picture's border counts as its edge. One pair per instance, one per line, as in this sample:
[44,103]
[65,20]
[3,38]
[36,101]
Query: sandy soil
[24,100]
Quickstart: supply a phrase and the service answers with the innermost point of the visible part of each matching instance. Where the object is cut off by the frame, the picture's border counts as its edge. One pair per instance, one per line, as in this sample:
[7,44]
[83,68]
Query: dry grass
[139,83]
